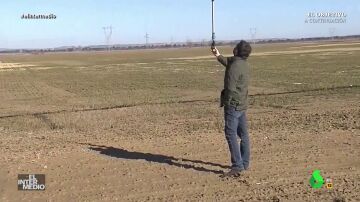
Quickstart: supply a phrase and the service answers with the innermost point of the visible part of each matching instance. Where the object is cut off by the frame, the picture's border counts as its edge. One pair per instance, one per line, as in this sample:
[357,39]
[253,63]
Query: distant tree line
[188,44]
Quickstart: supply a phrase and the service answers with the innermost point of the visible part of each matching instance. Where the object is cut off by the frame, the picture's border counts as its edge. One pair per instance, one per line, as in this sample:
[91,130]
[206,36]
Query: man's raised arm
[223,60]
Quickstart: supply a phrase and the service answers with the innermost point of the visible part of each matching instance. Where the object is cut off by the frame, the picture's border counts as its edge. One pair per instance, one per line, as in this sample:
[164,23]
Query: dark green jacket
[236,82]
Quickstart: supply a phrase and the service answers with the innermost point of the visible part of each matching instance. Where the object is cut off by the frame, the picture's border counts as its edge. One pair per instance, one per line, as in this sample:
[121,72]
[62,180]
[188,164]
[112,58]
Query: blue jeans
[236,126]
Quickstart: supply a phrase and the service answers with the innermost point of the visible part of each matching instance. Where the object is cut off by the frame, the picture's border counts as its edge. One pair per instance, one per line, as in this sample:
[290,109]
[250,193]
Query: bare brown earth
[140,130]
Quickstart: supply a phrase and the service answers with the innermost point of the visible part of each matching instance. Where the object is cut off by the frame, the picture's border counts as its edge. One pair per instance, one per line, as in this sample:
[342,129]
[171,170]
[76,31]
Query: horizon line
[180,42]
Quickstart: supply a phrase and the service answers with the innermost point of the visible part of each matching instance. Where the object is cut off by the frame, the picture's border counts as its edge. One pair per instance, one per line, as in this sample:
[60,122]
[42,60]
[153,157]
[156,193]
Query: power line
[332,31]
[171,40]
[147,37]
[253,31]
[108,33]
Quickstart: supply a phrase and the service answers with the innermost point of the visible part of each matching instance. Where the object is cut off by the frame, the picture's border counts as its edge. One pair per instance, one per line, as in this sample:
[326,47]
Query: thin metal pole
[213,23]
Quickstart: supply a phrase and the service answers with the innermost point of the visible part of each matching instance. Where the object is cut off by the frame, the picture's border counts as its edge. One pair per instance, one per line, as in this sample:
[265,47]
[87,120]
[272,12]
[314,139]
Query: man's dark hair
[243,49]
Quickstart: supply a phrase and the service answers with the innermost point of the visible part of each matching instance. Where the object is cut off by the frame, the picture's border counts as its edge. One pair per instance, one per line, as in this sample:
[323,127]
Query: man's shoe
[232,173]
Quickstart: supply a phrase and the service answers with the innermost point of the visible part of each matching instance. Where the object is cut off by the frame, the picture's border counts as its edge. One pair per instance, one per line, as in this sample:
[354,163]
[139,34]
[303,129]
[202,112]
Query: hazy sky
[80,22]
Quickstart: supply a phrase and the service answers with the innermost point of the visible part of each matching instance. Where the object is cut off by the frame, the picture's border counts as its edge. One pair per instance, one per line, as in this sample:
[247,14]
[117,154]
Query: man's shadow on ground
[158,158]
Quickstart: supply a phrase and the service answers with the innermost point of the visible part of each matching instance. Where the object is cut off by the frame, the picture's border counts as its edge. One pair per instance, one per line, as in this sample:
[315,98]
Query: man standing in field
[234,100]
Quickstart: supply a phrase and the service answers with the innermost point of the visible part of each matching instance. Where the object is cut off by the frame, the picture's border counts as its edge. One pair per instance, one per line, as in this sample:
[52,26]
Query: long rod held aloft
[213,23]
